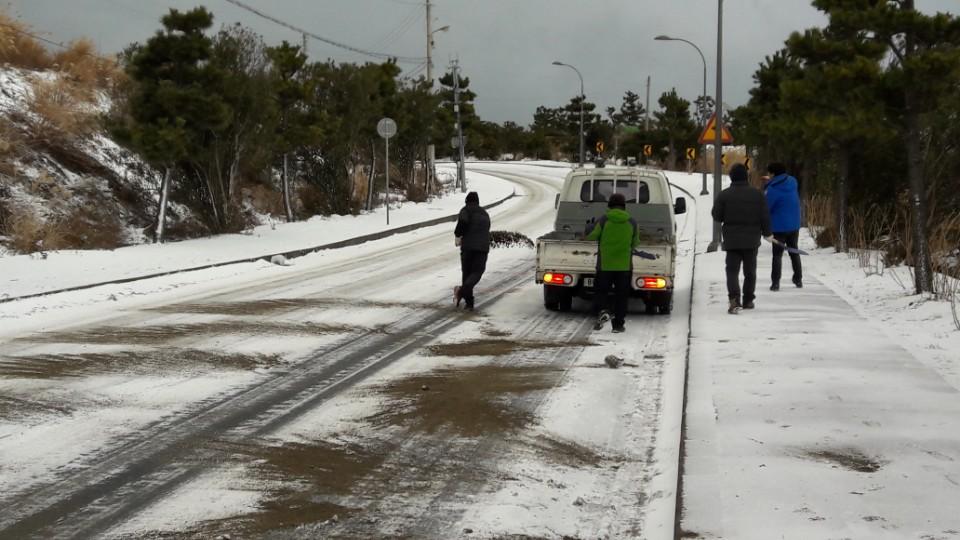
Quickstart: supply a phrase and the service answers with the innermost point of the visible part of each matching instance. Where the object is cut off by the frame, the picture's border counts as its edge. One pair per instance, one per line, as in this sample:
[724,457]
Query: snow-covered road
[256,398]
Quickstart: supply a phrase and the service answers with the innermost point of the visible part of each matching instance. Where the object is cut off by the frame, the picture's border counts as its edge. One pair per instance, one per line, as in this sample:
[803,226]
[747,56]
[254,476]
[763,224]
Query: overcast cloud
[505,46]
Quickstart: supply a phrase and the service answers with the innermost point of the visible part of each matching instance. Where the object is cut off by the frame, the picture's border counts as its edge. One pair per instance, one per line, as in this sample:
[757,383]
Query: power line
[380,56]
[48,41]
[393,36]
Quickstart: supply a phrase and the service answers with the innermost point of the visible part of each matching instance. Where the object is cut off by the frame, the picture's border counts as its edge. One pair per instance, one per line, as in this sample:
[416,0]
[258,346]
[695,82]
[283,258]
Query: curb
[287,254]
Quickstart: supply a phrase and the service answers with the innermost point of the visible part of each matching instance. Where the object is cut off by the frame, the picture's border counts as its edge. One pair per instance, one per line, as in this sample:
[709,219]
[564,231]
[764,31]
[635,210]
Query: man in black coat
[742,209]
[473,236]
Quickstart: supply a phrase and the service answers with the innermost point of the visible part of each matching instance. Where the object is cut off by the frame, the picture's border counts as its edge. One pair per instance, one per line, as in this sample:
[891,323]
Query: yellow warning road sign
[709,135]
[599,147]
[648,150]
[747,163]
[723,159]
[691,154]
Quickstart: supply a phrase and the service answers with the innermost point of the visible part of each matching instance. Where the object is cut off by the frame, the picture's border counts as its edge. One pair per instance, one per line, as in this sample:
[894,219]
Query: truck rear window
[602,189]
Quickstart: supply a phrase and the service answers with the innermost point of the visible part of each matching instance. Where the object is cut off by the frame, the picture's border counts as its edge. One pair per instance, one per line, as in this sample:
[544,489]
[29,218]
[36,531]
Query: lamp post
[703,119]
[718,144]
[583,98]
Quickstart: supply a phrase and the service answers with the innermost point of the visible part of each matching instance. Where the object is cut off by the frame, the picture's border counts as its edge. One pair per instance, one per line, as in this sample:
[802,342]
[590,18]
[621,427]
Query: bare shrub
[868,233]
[820,220]
[945,246]
[416,188]
[263,199]
[90,218]
[30,232]
[60,112]
[17,48]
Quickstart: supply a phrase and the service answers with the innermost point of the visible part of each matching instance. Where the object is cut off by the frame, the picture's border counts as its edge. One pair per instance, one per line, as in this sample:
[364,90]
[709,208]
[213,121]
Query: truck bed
[580,257]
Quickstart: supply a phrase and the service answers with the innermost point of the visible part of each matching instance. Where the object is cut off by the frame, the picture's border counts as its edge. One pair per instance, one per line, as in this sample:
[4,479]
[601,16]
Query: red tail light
[651,283]
[557,279]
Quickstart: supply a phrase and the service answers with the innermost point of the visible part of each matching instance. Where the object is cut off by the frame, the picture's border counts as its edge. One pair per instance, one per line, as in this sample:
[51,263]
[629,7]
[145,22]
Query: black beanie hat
[738,174]
[617,200]
[472,197]
[776,168]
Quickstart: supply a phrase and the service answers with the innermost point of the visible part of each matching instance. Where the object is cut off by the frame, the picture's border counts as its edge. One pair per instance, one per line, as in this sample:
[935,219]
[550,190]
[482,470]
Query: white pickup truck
[567,263]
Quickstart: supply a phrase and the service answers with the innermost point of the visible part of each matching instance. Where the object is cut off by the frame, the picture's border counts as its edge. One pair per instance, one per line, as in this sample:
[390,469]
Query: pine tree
[926,49]
[675,124]
[170,109]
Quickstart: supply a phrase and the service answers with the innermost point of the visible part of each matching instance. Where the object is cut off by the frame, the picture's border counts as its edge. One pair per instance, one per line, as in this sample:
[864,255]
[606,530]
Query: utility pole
[461,168]
[431,150]
[718,142]
[303,49]
[646,120]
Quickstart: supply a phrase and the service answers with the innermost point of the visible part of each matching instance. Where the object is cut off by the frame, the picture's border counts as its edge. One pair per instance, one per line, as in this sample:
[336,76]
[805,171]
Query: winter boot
[735,306]
[798,283]
[601,320]
[774,286]
[748,304]
[619,329]
[456,296]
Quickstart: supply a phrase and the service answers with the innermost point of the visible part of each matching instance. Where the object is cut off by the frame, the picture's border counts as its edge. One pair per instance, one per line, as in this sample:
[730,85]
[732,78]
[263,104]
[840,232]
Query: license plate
[588,282]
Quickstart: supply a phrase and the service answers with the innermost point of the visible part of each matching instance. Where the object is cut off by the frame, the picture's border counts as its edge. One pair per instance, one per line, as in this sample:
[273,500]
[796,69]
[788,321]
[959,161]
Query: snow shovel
[787,248]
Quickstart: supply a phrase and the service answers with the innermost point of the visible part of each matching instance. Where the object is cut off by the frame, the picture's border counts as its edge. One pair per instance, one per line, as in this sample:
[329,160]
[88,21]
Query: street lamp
[703,119]
[583,98]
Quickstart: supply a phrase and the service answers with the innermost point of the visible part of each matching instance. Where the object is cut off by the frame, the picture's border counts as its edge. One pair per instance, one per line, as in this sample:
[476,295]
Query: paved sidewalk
[805,420]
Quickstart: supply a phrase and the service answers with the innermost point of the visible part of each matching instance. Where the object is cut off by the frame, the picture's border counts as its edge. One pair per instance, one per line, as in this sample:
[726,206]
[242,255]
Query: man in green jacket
[617,235]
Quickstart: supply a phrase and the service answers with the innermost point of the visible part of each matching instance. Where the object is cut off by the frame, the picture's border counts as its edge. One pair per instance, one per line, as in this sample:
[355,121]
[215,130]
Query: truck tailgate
[581,257]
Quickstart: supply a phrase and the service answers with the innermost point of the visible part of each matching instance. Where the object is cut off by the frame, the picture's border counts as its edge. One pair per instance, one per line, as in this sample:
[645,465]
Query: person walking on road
[617,234]
[783,199]
[473,237]
[742,210]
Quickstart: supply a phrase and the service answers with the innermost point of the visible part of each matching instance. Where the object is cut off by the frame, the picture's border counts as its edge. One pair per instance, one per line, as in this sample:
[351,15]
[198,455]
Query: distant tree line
[867,112]
[222,115]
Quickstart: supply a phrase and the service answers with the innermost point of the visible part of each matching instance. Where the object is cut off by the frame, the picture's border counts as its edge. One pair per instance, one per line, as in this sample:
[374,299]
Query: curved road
[150,397]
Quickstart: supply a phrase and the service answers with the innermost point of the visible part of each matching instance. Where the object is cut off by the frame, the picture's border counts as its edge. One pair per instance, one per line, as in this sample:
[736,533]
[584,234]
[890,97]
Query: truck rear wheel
[551,297]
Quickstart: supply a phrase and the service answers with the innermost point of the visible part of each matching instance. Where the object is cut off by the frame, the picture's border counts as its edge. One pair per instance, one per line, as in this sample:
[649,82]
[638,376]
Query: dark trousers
[619,281]
[791,239]
[748,259]
[472,265]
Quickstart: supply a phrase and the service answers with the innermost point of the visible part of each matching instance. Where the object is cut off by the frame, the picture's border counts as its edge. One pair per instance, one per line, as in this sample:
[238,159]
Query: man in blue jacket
[783,199]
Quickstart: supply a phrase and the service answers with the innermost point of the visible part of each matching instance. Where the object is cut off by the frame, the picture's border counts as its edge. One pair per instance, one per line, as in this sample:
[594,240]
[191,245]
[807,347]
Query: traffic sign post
[387,128]
[648,150]
[691,154]
[599,147]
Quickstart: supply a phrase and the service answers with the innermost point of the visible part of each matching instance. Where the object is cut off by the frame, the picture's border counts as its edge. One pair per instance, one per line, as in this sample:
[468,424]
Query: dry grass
[83,217]
[29,232]
[86,69]
[868,236]
[820,219]
[263,199]
[61,111]
[19,49]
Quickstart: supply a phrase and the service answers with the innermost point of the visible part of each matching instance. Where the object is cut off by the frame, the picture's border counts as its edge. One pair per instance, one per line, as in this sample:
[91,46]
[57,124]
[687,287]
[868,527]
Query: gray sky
[505,46]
